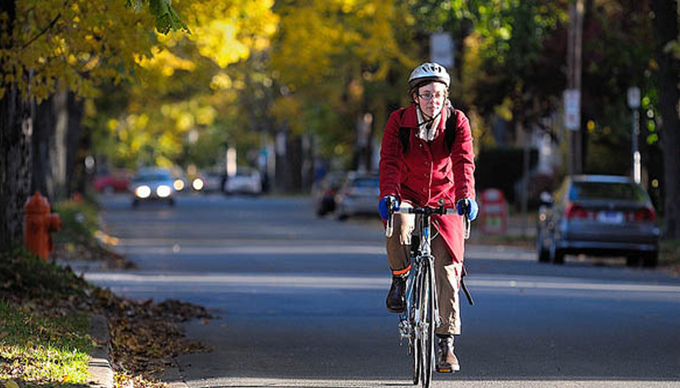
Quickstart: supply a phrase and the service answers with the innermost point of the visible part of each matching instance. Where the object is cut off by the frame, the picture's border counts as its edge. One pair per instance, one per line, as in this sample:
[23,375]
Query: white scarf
[428,134]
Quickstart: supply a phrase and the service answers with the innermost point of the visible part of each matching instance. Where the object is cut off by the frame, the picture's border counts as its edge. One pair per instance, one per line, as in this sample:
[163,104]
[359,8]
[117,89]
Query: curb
[99,366]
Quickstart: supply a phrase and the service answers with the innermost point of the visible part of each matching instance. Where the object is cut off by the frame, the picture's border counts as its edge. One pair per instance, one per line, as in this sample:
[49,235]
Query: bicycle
[421,316]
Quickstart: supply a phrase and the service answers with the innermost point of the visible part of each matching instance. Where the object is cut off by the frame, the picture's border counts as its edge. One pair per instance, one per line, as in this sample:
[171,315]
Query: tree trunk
[16,129]
[669,96]
[43,130]
[58,154]
[75,154]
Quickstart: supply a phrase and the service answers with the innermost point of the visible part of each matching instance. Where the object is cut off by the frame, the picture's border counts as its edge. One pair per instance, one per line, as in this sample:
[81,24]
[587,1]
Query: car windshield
[152,178]
[606,190]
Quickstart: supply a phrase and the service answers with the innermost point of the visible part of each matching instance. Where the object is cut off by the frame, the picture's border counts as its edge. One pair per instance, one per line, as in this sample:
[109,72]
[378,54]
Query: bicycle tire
[415,343]
[428,324]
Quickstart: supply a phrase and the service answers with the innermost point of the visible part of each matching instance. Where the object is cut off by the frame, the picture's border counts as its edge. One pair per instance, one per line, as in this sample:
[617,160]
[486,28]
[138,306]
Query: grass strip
[43,349]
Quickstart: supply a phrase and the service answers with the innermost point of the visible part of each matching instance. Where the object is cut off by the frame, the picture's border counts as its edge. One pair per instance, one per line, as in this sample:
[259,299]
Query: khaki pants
[447,273]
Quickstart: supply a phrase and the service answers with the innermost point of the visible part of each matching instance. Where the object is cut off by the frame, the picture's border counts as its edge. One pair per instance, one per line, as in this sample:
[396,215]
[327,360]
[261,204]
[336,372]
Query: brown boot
[447,362]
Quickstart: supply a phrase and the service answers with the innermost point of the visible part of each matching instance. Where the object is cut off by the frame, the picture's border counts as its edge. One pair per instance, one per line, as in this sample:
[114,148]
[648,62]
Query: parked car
[114,182]
[246,181]
[359,194]
[324,192]
[601,215]
[154,184]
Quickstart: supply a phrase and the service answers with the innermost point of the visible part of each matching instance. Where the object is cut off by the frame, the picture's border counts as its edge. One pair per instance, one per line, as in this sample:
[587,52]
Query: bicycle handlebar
[441,210]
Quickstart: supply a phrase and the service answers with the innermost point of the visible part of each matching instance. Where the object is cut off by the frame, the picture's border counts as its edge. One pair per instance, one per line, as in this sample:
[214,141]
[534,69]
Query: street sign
[441,49]
[634,97]
[572,109]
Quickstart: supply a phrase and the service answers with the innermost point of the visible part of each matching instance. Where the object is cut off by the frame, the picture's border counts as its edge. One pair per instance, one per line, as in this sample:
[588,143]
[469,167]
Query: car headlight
[143,191]
[178,184]
[163,191]
[197,184]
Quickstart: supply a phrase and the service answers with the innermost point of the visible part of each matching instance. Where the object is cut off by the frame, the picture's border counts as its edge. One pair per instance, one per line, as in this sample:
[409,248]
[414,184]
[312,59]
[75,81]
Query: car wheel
[171,202]
[632,261]
[135,203]
[651,260]
[342,217]
[556,255]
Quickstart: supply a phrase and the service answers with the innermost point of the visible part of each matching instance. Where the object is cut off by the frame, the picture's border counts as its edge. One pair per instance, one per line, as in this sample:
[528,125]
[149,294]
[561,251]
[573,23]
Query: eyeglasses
[427,96]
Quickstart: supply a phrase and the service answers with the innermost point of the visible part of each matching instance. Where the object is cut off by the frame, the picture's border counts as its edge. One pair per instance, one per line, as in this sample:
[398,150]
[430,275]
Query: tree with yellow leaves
[185,105]
[340,63]
[47,45]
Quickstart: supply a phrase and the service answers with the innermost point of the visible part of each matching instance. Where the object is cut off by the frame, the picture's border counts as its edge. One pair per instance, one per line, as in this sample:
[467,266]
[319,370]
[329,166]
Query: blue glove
[472,208]
[382,206]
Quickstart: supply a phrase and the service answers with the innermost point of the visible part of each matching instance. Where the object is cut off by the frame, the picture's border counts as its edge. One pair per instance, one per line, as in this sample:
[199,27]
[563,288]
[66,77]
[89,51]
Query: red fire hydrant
[38,224]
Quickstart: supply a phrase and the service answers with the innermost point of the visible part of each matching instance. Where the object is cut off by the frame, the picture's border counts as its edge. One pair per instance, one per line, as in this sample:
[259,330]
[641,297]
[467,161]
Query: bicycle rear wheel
[427,324]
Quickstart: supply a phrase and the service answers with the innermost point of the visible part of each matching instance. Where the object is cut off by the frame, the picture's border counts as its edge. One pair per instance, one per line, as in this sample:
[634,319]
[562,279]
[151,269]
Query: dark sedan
[600,215]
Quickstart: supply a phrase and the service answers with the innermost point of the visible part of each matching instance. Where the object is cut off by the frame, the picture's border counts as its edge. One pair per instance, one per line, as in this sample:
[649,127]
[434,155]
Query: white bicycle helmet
[429,71]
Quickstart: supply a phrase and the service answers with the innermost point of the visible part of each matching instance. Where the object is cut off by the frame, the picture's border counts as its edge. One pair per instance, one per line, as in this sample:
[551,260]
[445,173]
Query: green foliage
[167,18]
[80,219]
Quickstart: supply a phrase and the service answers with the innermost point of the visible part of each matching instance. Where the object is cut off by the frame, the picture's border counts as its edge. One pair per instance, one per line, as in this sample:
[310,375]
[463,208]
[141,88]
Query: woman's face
[431,98]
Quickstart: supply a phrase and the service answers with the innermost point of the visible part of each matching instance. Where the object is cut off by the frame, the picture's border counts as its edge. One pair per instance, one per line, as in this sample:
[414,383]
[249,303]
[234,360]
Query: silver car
[359,194]
[154,184]
[602,215]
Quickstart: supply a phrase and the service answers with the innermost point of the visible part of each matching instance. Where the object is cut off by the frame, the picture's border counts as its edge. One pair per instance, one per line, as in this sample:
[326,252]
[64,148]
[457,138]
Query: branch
[43,32]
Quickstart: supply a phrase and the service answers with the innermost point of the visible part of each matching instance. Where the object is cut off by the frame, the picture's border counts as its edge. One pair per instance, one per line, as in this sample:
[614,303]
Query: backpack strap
[450,131]
[404,133]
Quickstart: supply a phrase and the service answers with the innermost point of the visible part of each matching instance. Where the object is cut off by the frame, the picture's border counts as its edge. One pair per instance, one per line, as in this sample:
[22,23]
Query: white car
[245,181]
[154,184]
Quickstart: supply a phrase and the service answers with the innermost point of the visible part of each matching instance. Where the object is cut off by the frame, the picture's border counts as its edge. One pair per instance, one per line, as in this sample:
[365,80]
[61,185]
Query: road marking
[361,283]
[296,247]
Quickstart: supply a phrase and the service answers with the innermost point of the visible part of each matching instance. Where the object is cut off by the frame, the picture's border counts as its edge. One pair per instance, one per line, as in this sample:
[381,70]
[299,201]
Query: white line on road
[366,283]
[303,248]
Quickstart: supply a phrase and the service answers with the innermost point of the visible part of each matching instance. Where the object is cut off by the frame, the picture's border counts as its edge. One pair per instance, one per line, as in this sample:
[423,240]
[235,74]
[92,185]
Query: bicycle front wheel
[427,326]
[415,340]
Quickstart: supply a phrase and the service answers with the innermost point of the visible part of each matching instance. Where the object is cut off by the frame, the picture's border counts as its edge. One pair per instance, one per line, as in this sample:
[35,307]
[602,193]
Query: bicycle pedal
[444,370]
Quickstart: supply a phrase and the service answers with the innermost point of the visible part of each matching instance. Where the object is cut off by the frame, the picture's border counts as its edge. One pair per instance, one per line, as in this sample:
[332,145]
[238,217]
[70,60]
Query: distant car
[212,182]
[246,181]
[153,185]
[600,215]
[359,194]
[115,182]
[324,192]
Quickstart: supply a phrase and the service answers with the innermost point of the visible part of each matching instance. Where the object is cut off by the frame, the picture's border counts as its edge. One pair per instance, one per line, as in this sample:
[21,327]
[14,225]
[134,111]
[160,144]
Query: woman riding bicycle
[426,156]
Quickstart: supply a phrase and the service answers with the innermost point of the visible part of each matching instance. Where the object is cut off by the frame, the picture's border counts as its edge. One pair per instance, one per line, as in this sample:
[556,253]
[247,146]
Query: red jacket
[429,171]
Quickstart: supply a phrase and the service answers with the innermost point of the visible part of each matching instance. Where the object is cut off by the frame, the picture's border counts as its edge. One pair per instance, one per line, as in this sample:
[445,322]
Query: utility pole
[574,53]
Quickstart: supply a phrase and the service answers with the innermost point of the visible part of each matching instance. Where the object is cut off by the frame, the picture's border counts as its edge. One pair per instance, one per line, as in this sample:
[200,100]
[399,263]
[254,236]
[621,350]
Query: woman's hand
[469,206]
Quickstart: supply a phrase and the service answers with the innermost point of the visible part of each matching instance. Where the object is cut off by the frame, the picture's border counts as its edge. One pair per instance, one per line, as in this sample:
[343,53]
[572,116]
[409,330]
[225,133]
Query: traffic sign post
[572,109]
[442,49]
[494,212]
[634,104]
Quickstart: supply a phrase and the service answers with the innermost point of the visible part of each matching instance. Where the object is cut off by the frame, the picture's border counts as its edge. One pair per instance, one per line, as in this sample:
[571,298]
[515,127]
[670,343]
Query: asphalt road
[299,302]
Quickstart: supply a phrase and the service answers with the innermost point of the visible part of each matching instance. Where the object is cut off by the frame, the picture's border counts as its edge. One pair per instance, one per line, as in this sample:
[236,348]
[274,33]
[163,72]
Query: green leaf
[167,19]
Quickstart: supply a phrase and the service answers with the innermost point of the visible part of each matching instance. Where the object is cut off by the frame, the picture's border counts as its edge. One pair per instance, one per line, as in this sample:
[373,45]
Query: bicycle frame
[422,257]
